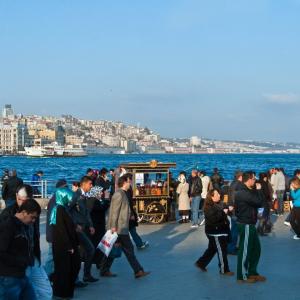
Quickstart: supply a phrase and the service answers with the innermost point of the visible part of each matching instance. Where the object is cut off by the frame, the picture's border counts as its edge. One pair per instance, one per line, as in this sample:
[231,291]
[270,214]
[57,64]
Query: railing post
[46,189]
[42,189]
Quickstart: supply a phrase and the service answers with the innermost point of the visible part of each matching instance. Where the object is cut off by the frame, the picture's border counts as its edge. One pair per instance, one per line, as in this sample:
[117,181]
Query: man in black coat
[247,202]
[84,226]
[23,193]
[102,181]
[16,252]
[10,187]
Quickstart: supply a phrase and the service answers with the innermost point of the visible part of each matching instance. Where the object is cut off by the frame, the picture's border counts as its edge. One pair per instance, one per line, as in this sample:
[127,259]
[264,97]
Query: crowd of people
[235,214]
[77,219]
[80,213]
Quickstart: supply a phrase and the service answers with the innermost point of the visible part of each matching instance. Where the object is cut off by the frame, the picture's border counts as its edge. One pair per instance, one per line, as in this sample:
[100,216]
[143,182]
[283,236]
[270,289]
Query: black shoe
[203,269]
[79,284]
[90,279]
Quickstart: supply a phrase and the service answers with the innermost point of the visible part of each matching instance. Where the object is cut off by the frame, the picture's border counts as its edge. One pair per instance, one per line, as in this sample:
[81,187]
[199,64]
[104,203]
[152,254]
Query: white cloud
[286,98]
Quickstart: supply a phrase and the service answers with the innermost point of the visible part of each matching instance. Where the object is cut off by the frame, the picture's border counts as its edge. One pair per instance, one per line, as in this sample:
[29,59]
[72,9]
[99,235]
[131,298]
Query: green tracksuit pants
[249,251]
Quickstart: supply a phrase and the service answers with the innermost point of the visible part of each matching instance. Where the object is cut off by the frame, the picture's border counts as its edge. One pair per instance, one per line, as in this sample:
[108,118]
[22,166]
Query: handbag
[107,242]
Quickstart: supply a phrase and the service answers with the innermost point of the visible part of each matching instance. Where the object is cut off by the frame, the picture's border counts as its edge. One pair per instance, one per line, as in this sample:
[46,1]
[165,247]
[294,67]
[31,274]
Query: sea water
[72,168]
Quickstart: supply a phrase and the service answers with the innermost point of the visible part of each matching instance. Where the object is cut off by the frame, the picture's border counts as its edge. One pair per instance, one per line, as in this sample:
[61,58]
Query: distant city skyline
[217,69]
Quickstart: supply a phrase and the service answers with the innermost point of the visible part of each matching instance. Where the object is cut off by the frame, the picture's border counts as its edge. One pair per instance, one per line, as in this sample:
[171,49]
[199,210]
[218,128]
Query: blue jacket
[296,197]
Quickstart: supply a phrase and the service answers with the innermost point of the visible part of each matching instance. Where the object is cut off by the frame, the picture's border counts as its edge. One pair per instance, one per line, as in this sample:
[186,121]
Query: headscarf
[63,197]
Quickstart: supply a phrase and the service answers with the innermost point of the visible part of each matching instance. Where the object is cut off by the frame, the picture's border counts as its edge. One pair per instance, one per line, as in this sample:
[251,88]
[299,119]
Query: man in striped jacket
[247,201]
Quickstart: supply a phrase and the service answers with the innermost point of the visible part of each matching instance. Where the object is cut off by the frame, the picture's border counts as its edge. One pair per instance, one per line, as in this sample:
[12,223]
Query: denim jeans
[136,238]
[280,195]
[40,281]
[89,250]
[49,265]
[195,209]
[13,288]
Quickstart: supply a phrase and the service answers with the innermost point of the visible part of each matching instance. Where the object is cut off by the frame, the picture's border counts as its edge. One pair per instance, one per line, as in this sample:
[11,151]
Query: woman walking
[184,205]
[65,247]
[217,231]
[295,213]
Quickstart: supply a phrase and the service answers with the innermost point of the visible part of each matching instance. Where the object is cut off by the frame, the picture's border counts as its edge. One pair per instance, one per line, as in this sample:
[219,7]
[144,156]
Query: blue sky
[219,69]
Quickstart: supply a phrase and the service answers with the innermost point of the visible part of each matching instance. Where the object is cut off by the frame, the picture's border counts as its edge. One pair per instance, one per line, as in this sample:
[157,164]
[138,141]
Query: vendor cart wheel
[155,213]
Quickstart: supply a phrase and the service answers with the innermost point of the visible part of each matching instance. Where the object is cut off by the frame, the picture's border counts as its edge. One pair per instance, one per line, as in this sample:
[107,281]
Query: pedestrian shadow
[169,237]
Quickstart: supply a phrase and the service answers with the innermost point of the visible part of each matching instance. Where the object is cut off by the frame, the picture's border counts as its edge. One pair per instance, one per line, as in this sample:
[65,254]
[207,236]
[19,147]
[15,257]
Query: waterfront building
[130,146]
[13,137]
[111,141]
[74,140]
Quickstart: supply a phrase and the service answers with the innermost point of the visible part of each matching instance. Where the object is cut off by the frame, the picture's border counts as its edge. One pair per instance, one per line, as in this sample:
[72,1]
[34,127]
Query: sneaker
[287,223]
[194,226]
[258,278]
[145,245]
[296,237]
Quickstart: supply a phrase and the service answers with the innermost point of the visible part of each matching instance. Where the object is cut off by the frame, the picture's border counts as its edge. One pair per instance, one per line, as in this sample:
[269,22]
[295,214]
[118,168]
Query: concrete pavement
[173,250]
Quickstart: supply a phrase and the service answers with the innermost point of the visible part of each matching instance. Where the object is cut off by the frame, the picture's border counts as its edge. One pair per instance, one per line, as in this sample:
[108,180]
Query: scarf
[63,197]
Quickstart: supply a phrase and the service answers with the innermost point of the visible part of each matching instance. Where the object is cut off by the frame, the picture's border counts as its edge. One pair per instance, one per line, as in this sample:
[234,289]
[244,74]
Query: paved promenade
[171,256]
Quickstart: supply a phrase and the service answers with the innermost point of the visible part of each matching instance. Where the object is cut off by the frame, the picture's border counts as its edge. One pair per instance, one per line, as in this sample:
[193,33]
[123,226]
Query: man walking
[118,221]
[247,201]
[195,195]
[81,217]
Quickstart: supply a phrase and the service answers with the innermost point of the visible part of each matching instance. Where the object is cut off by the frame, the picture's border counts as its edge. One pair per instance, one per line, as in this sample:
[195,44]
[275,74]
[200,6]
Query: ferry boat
[55,151]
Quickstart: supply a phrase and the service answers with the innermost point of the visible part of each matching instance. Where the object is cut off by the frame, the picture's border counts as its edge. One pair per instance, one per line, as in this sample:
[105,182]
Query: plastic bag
[107,242]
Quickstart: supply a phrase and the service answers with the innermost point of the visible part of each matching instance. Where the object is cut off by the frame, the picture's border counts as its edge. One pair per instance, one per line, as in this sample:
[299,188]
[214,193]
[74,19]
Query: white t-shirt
[205,184]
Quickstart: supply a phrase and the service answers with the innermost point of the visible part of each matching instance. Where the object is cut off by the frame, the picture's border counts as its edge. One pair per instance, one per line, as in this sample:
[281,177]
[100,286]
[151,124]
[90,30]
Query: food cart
[151,189]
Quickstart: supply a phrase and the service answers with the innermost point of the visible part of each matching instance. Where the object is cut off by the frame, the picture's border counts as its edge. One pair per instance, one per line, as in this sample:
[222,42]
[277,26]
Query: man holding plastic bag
[118,222]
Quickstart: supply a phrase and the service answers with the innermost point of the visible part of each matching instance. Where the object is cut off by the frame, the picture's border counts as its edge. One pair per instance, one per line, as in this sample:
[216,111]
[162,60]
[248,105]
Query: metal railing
[41,189]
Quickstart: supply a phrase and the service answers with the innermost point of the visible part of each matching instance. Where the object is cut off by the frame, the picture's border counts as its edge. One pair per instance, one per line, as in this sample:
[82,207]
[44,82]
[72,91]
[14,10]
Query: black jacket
[14,248]
[79,210]
[9,212]
[217,181]
[247,202]
[195,186]
[9,188]
[235,186]
[216,221]
[49,228]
